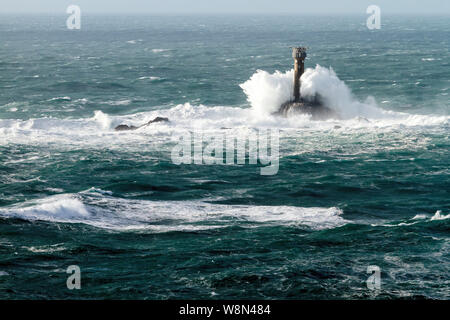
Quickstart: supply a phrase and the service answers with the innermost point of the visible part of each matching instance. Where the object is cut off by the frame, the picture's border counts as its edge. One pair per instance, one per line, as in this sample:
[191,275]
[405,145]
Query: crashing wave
[100,209]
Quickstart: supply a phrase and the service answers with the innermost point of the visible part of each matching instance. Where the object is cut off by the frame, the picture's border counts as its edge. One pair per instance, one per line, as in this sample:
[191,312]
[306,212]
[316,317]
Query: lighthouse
[303,105]
[299,55]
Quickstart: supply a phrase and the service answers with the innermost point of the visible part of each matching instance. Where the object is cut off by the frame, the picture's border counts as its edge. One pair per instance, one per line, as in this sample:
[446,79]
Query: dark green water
[371,188]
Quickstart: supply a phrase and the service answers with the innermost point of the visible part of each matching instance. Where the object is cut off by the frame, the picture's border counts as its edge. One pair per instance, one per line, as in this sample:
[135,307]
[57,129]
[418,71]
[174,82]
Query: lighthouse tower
[299,55]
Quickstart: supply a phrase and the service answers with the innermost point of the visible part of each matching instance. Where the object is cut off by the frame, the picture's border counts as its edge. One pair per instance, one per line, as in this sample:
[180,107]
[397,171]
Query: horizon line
[227,13]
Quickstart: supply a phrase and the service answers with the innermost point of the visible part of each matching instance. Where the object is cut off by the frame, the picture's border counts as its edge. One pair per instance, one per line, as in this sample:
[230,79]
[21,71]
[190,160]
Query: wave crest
[100,209]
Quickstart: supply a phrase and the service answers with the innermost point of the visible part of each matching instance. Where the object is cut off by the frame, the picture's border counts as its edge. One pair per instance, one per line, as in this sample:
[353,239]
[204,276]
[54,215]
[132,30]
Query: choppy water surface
[370,188]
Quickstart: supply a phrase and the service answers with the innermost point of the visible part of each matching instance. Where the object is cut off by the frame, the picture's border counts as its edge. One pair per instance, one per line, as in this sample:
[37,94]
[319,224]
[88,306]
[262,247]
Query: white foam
[104,211]
[418,218]
[159,50]
[265,92]
[151,78]
[103,119]
[99,129]
[122,102]
[61,99]
[82,100]
[439,216]
[56,207]
[134,41]
[46,248]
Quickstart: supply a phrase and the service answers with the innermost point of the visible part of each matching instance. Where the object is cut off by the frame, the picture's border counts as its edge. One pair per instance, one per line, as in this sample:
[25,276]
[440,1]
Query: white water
[98,208]
[338,96]
[265,93]
[418,218]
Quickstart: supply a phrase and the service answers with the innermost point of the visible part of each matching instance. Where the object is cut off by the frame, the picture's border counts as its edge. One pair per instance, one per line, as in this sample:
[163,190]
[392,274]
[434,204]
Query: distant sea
[371,188]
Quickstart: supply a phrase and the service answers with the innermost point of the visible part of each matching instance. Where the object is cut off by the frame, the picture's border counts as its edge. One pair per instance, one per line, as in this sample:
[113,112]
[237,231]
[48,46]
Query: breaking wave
[100,209]
[418,218]
[265,93]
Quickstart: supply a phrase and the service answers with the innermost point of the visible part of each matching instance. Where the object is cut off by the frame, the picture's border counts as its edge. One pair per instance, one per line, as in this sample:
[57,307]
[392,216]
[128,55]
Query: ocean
[367,191]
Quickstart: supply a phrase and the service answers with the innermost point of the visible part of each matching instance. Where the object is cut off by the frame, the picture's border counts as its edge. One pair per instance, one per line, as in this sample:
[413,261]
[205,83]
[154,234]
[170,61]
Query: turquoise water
[370,188]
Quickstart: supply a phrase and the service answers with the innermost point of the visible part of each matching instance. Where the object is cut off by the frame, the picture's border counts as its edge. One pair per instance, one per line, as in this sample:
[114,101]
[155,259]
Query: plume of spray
[266,92]
[336,95]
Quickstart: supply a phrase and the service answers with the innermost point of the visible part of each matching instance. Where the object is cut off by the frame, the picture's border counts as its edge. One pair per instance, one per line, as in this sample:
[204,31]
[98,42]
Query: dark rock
[315,108]
[158,119]
[124,127]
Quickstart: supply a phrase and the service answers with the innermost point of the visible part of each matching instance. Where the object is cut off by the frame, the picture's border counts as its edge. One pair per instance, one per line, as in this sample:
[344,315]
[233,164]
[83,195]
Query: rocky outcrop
[315,108]
[124,127]
[157,119]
